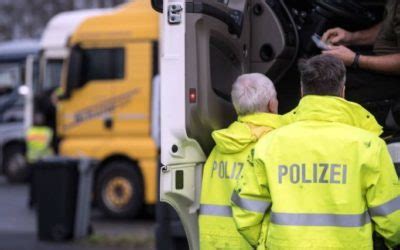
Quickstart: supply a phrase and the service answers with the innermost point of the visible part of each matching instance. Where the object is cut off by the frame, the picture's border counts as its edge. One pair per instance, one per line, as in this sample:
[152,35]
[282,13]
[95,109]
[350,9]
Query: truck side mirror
[74,72]
[157,5]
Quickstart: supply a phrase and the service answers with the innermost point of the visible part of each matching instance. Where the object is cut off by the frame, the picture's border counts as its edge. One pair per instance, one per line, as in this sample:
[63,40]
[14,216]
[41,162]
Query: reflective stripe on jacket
[224,166]
[329,183]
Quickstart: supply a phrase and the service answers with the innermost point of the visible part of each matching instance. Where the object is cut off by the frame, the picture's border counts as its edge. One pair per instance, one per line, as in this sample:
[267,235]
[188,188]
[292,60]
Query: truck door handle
[108,123]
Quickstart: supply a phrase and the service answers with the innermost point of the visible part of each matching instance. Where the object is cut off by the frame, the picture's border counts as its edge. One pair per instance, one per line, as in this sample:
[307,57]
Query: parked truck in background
[13,63]
[54,51]
[206,45]
[106,107]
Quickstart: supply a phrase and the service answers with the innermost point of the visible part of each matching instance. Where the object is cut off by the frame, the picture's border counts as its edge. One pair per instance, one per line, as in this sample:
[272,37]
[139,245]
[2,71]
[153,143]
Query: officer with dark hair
[327,177]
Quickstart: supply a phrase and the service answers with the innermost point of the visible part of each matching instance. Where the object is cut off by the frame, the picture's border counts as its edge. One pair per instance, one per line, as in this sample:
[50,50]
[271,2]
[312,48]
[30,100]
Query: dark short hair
[322,75]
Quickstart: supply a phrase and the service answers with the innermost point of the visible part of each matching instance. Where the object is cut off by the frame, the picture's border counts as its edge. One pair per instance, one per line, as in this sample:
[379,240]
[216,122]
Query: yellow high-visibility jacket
[38,140]
[328,183]
[224,166]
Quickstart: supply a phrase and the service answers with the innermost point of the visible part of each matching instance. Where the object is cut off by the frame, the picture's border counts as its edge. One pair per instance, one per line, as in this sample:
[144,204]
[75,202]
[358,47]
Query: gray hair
[251,93]
[322,75]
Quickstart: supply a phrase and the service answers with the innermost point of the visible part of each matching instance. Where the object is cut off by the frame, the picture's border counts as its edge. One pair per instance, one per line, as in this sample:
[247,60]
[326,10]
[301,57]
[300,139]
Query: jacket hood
[334,109]
[248,129]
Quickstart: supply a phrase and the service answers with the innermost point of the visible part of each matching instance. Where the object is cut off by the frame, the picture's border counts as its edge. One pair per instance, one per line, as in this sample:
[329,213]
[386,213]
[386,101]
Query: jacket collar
[263,119]
[248,129]
[335,109]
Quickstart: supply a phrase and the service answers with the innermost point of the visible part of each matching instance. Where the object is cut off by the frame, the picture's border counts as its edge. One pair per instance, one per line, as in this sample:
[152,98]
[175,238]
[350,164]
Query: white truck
[205,45]
[13,63]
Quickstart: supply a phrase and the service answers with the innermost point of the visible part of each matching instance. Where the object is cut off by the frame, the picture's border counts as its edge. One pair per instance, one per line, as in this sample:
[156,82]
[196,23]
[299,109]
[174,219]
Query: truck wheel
[15,165]
[119,190]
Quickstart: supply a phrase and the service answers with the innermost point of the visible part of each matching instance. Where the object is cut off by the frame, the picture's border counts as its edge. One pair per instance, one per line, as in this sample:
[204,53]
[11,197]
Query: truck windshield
[52,76]
[10,76]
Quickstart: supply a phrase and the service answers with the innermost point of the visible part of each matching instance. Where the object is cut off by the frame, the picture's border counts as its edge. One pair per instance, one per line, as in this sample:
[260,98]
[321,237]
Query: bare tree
[27,18]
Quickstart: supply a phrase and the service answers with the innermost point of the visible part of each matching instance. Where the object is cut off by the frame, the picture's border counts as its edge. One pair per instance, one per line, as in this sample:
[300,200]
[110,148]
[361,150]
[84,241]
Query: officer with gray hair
[252,93]
[254,99]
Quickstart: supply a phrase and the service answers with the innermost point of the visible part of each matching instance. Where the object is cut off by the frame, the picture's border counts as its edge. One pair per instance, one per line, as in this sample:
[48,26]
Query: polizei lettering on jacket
[226,170]
[326,173]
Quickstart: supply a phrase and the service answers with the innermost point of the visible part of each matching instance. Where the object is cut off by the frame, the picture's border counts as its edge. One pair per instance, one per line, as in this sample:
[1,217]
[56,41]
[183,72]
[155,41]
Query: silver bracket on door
[174,14]
[164,169]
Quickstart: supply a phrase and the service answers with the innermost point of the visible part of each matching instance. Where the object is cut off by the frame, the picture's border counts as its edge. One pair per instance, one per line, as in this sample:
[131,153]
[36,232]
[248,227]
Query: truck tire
[119,190]
[15,165]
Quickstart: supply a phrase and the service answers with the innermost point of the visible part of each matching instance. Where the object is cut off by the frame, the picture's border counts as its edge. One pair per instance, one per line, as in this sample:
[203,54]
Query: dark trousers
[374,91]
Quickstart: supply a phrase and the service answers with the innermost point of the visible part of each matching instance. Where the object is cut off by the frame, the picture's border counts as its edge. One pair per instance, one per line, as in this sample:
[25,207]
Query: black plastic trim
[156,62]
[157,7]
[232,18]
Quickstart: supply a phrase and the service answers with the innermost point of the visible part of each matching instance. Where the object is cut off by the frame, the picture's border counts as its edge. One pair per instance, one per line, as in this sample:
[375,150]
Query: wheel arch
[118,157]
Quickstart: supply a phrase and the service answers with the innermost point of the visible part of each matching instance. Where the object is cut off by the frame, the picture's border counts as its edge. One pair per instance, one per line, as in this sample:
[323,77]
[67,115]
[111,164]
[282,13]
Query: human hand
[337,36]
[341,52]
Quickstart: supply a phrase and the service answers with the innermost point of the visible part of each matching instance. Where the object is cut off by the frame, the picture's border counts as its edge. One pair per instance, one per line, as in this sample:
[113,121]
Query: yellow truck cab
[106,108]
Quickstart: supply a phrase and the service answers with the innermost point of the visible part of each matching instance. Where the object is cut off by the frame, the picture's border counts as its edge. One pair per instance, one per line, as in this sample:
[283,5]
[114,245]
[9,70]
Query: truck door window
[102,64]
[52,75]
[10,76]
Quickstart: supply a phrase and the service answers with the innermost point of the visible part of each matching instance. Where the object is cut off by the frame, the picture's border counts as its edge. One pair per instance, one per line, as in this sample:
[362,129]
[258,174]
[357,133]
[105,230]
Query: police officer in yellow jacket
[254,98]
[328,177]
[38,140]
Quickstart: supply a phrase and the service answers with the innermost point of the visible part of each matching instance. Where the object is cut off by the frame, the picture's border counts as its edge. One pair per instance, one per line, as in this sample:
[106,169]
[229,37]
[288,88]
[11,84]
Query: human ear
[273,106]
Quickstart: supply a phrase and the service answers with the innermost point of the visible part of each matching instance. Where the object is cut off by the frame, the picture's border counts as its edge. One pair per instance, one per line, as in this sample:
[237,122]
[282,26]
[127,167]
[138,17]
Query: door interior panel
[216,57]
[214,46]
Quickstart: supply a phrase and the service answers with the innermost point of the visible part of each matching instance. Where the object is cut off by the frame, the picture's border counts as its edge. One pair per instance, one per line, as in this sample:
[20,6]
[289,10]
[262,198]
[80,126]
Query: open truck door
[205,46]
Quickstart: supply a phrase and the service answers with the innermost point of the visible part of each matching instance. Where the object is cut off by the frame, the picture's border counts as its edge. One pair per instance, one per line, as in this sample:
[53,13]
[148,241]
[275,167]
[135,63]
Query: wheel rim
[16,164]
[117,193]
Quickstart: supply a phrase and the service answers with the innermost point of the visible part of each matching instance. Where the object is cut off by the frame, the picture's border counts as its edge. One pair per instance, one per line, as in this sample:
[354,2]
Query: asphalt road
[18,227]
